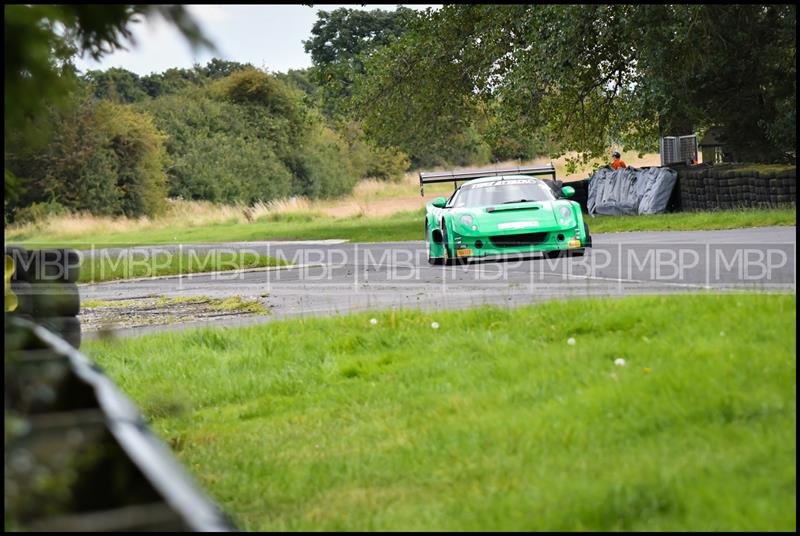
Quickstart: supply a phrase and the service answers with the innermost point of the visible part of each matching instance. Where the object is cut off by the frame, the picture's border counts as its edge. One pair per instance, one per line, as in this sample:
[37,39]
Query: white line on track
[225,272]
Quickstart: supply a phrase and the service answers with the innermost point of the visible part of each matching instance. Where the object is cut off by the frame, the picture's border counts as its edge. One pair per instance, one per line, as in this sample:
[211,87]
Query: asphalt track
[335,277]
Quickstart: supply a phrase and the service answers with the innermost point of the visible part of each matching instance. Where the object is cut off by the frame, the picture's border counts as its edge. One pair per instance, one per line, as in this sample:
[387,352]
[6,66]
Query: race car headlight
[565,212]
[467,220]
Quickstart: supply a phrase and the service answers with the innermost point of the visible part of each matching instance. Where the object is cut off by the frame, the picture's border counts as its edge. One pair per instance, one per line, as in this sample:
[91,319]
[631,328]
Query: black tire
[588,235]
[66,327]
[22,290]
[20,257]
[53,299]
[448,260]
[51,266]
[433,261]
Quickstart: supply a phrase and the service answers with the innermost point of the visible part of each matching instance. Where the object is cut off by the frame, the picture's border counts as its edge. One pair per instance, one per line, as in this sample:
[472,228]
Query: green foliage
[369,160]
[36,212]
[341,40]
[116,85]
[217,68]
[322,169]
[266,94]
[215,155]
[39,42]
[247,137]
[302,79]
[104,158]
[585,77]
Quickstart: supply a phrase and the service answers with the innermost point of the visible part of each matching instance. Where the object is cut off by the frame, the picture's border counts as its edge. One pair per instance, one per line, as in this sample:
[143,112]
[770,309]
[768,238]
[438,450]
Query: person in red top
[617,162]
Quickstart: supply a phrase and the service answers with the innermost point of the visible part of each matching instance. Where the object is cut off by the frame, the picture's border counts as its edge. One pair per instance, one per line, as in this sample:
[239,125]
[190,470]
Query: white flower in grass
[619,362]
[571,341]
[373,321]
[435,325]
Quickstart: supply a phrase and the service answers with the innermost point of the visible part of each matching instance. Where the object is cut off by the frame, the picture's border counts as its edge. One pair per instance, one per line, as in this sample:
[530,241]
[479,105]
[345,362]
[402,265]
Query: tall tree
[40,40]
[116,84]
[341,40]
[589,75]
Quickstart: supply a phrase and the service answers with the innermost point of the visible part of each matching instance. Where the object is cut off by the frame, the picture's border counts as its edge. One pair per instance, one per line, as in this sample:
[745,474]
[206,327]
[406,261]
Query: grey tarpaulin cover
[630,190]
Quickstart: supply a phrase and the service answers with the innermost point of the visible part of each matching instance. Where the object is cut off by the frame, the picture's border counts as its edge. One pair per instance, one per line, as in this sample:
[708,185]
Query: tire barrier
[44,284]
[46,265]
[581,195]
[78,454]
[728,186]
[723,186]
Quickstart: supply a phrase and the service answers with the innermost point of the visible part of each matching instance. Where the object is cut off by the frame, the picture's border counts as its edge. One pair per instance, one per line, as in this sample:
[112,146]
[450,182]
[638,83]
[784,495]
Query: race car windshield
[497,193]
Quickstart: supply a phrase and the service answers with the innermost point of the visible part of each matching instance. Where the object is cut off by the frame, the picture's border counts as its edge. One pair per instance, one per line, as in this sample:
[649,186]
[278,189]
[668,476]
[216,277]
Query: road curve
[331,277]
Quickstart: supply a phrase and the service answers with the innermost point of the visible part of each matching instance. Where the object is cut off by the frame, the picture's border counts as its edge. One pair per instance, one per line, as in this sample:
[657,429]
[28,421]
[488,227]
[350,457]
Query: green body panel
[505,221]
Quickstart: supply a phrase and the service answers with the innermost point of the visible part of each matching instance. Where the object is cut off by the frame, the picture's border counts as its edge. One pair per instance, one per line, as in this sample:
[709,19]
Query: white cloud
[210,14]
[268,36]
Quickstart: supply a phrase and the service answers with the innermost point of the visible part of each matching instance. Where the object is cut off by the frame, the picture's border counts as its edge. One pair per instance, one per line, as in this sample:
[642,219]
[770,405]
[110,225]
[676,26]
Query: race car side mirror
[439,202]
[568,191]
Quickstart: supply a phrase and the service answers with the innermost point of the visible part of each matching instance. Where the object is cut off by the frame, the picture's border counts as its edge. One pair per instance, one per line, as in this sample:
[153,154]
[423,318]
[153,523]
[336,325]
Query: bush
[37,212]
[104,158]
[249,137]
[369,161]
[321,167]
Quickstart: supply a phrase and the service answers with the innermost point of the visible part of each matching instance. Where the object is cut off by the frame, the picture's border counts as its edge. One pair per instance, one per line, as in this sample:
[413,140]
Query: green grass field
[399,227]
[109,268]
[492,421]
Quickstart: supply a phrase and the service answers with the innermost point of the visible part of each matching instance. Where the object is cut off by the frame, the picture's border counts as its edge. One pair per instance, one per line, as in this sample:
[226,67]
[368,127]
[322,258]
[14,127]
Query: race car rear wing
[455,176]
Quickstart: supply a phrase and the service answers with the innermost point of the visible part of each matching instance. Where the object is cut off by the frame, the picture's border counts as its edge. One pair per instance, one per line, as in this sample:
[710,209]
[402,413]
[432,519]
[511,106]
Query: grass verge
[398,227]
[695,221]
[492,421]
[103,267]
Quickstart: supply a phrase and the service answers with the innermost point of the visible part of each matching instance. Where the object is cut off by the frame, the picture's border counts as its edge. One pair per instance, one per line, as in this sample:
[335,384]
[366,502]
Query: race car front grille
[516,240]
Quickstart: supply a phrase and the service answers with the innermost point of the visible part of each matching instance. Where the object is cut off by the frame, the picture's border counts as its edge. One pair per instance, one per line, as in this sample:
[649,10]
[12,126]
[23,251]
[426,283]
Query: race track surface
[333,277]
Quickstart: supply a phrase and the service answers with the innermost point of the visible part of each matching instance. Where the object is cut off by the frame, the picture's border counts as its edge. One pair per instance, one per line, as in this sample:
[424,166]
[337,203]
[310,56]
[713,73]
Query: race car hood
[513,218]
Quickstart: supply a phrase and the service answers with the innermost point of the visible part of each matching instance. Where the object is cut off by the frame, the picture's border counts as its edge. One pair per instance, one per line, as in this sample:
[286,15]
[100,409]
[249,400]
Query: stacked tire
[782,187]
[581,193]
[45,283]
[726,187]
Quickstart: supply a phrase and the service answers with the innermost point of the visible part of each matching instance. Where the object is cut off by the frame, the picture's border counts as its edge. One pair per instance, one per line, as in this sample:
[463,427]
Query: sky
[269,37]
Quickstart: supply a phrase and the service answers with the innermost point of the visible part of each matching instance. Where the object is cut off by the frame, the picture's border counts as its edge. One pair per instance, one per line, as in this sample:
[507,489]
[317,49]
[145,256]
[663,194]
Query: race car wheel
[449,260]
[588,236]
[435,261]
[555,254]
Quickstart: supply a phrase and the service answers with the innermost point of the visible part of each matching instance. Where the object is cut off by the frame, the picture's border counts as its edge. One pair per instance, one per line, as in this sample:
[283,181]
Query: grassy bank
[695,221]
[493,420]
[150,264]
[397,227]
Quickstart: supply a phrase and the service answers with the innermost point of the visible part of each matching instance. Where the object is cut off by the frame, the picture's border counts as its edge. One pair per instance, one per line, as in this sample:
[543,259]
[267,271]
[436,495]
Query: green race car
[503,212]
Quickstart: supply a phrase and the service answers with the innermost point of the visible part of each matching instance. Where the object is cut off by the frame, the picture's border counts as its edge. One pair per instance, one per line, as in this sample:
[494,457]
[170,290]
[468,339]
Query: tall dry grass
[370,197]
[179,213]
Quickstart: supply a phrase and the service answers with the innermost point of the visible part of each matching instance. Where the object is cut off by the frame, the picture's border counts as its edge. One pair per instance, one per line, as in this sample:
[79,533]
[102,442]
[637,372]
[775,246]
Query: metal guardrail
[98,411]
[430,177]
